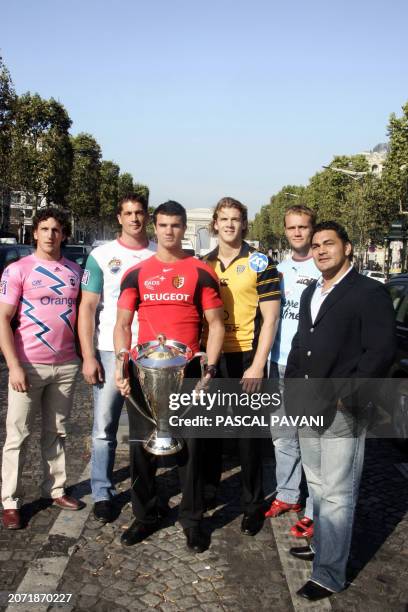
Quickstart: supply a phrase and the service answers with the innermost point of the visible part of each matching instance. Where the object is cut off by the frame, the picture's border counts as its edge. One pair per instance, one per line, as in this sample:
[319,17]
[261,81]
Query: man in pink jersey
[38,298]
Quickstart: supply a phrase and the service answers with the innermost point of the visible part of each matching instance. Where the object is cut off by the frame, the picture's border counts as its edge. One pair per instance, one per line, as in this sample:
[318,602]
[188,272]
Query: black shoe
[196,541]
[137,532]
[313,591]
[302,552]
[103,511]
[252,523]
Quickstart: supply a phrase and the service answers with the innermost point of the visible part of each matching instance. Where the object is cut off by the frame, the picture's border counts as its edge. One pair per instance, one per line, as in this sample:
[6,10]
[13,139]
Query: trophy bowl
[160,366]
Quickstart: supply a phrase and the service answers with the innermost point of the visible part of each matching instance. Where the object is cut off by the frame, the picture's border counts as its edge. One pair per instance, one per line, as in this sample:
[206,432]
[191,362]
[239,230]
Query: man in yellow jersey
[251,295]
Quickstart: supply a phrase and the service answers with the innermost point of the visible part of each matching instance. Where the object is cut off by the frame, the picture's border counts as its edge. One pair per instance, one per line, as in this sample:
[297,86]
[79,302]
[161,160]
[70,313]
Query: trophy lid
[161,353]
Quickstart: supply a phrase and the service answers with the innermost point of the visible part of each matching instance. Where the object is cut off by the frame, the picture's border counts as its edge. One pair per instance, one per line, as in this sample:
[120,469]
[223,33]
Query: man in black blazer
[346,331]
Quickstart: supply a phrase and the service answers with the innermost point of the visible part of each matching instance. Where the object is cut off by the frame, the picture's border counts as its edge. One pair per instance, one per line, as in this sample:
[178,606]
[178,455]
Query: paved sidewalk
[71,553]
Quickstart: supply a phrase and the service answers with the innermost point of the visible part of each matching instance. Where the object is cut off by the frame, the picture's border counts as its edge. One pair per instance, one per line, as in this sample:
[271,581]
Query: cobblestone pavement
[236,573]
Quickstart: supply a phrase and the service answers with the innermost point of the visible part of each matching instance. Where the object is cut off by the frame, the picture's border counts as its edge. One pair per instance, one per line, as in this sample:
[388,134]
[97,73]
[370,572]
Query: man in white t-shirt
[296,272]
[104,270]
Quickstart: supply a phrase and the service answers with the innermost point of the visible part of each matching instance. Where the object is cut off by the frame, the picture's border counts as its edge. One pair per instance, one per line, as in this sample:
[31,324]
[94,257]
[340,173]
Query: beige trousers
[51,393]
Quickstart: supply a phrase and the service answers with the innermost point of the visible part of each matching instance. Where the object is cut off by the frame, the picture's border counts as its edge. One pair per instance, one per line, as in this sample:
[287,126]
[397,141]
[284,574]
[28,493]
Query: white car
[378,276]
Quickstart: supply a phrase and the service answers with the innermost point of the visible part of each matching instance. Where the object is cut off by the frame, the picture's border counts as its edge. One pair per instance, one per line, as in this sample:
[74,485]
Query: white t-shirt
[295,277]
[105,266]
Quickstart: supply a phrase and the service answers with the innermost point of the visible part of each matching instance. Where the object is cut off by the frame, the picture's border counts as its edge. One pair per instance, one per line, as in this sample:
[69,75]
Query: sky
[203,99]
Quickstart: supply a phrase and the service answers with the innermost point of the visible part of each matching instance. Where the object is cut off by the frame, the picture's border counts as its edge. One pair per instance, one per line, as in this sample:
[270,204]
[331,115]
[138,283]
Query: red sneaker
[280,507]
[303,528]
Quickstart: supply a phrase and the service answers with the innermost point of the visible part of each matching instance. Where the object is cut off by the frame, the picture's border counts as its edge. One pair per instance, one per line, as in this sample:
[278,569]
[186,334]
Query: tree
[41,149]
[7,115]
[395,173]
[108,190]
[83,195]
[141,189]
[125,185]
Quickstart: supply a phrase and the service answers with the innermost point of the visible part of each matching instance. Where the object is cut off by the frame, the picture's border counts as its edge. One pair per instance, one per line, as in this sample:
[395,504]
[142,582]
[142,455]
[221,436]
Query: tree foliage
[41,159]
[8,101]
[108,190]
[83,195]
[125,185]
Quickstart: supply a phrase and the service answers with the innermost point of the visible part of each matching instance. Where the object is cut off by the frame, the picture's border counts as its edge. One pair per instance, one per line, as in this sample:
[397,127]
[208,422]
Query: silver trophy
[160,368]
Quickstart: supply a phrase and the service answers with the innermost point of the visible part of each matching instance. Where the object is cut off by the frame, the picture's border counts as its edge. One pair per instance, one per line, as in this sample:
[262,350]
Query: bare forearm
[122,336]
[86,330]
[215,342]
[265,342]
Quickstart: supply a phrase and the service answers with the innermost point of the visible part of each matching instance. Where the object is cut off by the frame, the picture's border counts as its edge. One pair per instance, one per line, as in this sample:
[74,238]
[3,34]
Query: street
[70,553]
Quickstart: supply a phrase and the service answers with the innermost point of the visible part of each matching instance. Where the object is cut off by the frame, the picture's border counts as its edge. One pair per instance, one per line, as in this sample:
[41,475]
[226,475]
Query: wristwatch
[121,355]
[211,370]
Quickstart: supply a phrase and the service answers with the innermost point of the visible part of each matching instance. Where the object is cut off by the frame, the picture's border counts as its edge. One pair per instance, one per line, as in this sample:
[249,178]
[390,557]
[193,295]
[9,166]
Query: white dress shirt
[320,295]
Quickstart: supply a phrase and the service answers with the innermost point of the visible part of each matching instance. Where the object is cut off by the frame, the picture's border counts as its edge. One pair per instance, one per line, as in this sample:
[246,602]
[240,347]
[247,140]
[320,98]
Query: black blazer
[352,337]
[353,334]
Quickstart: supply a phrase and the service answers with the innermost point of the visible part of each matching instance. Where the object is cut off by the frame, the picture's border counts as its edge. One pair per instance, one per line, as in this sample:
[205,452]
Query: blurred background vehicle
[13,252]
[76,252]
[379,276]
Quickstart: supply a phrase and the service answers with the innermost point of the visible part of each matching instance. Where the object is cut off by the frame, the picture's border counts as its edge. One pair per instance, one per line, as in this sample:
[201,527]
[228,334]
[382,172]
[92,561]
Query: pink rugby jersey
[45,293]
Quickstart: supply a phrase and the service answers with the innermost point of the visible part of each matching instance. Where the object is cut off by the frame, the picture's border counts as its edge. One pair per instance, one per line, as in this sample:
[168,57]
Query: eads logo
[153,282]
[178,281]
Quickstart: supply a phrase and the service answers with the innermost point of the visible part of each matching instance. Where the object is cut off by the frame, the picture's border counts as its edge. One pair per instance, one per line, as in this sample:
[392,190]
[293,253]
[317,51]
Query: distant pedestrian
[37,320]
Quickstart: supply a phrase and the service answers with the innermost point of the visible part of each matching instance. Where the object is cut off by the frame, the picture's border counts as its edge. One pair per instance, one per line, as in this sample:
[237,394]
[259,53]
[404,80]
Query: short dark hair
[135,198]
[300,209]
[172,209]
[336,227]
[49,212]
[228,202]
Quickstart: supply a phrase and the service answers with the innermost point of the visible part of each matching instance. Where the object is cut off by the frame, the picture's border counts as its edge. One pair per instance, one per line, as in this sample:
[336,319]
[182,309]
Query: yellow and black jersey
[249,279]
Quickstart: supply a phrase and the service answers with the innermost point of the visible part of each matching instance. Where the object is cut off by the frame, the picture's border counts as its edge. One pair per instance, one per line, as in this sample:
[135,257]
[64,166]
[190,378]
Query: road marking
[296,571]
[45,572]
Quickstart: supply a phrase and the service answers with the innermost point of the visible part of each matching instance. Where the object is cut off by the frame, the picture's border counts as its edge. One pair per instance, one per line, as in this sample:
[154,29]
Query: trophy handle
[203,361]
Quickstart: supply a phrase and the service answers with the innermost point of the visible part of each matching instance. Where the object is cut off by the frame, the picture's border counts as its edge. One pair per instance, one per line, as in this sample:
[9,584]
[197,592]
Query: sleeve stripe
[263,295]
[265,282]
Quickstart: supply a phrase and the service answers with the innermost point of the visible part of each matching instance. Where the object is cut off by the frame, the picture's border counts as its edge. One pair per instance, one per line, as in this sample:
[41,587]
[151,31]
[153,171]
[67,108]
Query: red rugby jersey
[170,298]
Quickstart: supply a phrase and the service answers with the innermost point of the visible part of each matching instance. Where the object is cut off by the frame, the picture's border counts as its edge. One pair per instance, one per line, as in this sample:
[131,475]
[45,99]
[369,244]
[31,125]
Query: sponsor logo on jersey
[178,281]
[240,269]
[6,273]
[153,282]
[3,287]
[165,297]
[258,262]
[304,280]
[72,281]
[62,301]
[85,277]
[115,265]
[37,283]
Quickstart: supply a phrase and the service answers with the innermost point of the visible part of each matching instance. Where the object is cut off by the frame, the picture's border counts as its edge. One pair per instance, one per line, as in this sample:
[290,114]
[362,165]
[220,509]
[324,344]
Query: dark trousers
[233,365]
[145,502]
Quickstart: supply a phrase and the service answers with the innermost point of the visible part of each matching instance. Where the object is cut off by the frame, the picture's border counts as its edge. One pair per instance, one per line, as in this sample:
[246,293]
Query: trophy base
[161,446]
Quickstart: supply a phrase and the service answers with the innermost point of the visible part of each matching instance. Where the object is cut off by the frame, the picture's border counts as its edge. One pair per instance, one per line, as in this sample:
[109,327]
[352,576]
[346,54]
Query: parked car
[379,276]
[397,396]
[76,252]
[13,252]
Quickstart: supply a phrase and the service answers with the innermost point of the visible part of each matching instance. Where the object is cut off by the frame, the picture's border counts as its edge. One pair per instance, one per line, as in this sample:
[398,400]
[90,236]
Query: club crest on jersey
[115,265]
[258,262]
[240,269]
[178,281]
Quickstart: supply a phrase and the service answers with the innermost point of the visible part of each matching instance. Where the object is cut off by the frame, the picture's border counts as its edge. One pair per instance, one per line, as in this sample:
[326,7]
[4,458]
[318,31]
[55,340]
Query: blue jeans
[108,404]
[287,456]
[333,463]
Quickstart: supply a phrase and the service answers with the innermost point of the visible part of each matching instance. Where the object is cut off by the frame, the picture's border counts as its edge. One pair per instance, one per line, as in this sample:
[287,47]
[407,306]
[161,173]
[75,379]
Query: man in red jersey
[171,292]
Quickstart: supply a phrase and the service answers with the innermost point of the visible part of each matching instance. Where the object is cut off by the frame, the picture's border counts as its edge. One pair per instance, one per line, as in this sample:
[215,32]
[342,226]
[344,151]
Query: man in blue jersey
[296,273]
